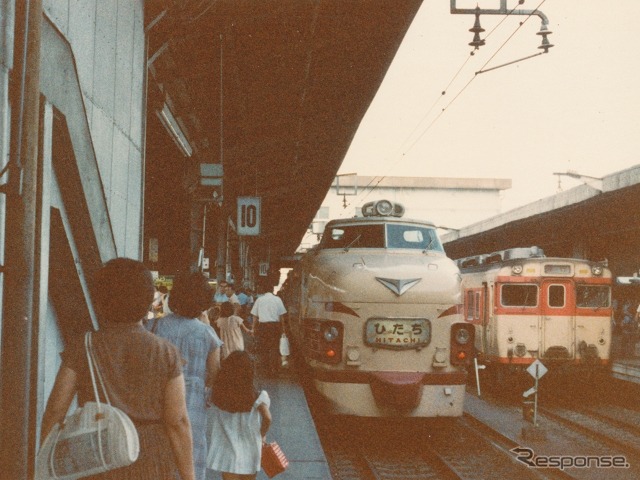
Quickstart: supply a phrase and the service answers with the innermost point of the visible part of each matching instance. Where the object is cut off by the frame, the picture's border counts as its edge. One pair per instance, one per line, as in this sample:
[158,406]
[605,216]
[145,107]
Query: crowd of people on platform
[175,362]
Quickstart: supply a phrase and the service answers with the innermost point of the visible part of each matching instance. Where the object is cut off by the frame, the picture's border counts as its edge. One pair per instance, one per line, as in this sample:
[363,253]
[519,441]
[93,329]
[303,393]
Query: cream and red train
[525,306]
[374,313]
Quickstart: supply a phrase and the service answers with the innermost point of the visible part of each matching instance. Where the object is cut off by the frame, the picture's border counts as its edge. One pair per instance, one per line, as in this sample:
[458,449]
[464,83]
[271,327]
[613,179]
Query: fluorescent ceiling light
[171,124]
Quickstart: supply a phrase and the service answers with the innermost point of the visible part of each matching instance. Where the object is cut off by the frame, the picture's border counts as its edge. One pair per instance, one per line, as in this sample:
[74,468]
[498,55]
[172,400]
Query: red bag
[273,460]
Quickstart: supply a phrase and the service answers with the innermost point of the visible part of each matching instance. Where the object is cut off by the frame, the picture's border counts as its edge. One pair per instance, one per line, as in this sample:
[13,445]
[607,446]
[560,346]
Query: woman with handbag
[200,347]
[240,420]
[142,376]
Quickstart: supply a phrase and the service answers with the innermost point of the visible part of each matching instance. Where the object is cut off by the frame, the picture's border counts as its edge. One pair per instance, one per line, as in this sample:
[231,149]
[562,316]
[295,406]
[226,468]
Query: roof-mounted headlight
[597,270]
[516,269]
[382,208]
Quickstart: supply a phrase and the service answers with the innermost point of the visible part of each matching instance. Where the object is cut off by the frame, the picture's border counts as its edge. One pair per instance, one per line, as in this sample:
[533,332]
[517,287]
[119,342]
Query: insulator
[477,41]
[544,30]
[545,44]
[476,26]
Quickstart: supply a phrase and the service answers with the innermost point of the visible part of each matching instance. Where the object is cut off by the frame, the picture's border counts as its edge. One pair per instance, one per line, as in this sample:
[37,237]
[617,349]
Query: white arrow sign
[537,369]
[529,392]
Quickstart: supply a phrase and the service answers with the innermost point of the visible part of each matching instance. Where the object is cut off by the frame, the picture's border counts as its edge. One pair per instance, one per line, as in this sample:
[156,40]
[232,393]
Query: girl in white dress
[230,327]
[240,420]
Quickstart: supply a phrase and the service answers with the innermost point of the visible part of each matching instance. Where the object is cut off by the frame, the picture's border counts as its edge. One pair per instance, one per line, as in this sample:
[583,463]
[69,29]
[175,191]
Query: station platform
[293,429]
[627,369]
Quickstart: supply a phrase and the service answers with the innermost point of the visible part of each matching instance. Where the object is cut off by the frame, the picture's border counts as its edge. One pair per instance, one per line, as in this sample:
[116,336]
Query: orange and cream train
[374,316]
[525,306]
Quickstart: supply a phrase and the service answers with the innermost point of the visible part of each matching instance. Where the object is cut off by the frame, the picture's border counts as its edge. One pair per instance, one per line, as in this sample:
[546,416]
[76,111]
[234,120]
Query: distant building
[450,203]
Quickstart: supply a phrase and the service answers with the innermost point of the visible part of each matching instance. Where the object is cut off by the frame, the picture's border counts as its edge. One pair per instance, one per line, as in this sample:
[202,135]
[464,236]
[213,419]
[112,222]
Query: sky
[576,108]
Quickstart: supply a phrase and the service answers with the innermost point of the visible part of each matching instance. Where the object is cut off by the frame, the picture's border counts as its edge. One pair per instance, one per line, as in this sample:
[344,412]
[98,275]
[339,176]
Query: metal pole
[535,399]
[17,439]
[221,261]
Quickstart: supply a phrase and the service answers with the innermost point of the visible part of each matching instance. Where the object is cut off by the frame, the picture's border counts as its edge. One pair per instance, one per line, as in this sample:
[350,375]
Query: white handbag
[284,345]
[95,438]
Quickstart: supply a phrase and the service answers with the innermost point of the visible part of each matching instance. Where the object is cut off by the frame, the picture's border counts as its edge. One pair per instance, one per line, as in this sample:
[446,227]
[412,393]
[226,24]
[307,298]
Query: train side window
[519,295]
[556,296]
[476,311]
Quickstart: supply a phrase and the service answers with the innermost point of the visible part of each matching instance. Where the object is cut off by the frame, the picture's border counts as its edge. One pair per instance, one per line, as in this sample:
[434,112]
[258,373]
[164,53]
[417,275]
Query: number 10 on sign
[248,215]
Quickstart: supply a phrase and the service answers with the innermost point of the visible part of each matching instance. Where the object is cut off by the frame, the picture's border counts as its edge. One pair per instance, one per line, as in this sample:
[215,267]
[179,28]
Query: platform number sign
[264,269]
[248,215]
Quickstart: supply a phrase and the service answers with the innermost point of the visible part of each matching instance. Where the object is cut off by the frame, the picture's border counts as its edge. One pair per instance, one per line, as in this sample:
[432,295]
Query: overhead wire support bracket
[509,63]
[503,10]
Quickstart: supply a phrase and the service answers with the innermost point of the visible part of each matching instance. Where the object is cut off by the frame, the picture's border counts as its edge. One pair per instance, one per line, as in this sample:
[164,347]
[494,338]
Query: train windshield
[412,236]
[519,295]
[381,236]
[593,296]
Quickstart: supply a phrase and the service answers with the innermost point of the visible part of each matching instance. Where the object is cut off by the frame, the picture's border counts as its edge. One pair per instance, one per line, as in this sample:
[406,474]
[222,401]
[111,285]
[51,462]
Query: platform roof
[274,90]
[601,215]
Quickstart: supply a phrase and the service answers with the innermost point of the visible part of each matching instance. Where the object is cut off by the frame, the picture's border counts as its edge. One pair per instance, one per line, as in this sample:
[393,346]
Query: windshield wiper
[346,249]
[428,245]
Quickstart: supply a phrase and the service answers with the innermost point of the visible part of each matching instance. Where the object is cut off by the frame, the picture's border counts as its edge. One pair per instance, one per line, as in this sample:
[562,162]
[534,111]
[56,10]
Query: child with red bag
[240,419]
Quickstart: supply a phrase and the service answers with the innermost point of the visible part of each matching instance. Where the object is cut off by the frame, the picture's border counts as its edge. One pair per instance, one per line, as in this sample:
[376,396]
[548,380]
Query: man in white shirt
[268,326]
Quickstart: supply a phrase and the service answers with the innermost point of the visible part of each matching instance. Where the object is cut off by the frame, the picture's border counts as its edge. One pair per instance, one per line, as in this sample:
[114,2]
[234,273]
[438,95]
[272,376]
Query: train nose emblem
[398,286]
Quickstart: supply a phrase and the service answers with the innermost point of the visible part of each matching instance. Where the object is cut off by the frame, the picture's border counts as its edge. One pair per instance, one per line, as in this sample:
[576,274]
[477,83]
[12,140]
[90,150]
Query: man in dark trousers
[268,326]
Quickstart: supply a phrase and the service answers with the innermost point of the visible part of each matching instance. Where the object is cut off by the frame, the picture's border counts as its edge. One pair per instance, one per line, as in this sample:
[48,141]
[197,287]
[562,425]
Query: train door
[474,313]
[558,316]
[487,313]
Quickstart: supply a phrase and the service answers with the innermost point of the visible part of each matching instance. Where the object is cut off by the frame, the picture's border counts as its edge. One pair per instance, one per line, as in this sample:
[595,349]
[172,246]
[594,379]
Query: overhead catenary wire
[455,76]
[401,154]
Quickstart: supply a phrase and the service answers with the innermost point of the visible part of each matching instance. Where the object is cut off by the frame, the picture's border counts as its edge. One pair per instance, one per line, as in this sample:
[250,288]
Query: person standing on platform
[240,420]
[142,373]
[231,327]
[230,291]
[243,299]
[200,348]
[220,296]
[268,326]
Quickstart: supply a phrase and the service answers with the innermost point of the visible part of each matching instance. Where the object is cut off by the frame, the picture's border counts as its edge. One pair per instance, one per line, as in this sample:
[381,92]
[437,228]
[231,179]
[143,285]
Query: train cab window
[593,296]
[556,296]
[413,236]
[519,295]
[354,236]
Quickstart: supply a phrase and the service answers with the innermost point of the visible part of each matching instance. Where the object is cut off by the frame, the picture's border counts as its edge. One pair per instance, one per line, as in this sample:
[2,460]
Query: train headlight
[462,343]
[331,333]
[597,270]
[521,349]
[516,269]
[462,336]
[384,208]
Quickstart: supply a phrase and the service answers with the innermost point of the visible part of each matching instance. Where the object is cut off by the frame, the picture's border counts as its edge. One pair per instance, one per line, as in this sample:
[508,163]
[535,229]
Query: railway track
[621,437]
[421,449]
